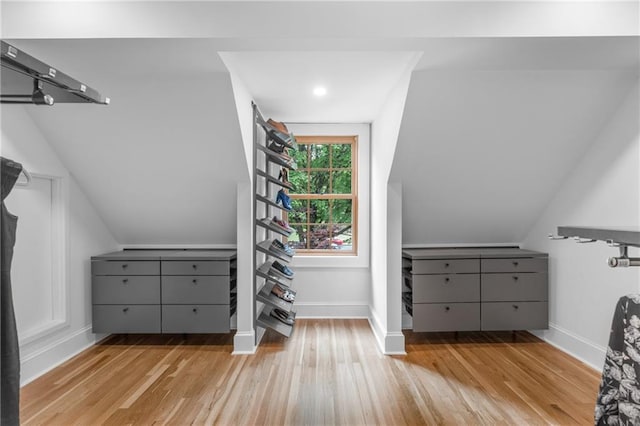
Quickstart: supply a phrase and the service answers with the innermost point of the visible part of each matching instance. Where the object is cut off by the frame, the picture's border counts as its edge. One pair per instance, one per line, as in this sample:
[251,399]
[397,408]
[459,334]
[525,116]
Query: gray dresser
[464,289]
[163,291]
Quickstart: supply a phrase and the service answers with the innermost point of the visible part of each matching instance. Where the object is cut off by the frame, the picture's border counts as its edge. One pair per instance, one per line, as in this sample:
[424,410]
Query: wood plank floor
[328,372]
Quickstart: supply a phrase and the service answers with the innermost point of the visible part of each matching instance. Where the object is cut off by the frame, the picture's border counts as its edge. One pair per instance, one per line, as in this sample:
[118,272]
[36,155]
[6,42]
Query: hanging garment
[10,366]
[618,400]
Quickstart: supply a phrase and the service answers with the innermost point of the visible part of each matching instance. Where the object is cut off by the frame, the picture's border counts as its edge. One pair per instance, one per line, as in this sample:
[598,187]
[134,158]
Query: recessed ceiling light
[320,91]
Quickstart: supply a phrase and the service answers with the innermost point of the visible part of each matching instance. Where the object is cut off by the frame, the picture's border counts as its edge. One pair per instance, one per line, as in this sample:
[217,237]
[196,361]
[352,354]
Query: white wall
[84,235]
[602,190]
[245,337]
[337,286]
[386,222]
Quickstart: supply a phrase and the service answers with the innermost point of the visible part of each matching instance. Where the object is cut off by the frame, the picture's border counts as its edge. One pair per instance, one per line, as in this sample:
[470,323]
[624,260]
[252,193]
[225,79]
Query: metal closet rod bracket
[622,261]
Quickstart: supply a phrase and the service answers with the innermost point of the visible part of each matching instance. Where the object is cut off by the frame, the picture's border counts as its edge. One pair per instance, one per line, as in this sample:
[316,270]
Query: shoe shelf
[271,179]
[272,203]
[266,320]
[266,248]
[271,309]
[268,298]
[267,272]
[269,224]
[277,158]
[274,134]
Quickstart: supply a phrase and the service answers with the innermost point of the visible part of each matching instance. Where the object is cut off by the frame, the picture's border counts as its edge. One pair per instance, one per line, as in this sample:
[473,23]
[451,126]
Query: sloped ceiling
[161,162]
[481,152]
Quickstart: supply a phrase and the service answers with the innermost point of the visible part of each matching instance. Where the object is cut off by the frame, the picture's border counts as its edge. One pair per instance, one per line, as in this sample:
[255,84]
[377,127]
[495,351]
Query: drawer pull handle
[126,280]
[446,280]
[124,265]
[195,309]
[446,308]
[515,263]
[195,266]
[515,307]
[125,310]
[515,278]
[194,281]
[446,265]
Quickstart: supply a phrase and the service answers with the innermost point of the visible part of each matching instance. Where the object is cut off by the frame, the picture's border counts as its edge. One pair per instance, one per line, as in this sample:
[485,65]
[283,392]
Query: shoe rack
[272,279]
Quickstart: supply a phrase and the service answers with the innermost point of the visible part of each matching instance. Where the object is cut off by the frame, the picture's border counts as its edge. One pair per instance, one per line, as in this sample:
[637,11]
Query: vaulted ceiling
[161,162]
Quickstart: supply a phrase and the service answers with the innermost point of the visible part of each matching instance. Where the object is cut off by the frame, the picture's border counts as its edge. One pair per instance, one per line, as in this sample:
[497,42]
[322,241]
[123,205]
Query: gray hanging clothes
[10,367]
[618,401]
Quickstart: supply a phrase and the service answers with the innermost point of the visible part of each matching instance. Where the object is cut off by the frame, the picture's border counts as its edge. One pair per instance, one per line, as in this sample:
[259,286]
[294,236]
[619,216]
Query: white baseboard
[388,343]
[324,310]
[578,347]
[244,343]
[52,355]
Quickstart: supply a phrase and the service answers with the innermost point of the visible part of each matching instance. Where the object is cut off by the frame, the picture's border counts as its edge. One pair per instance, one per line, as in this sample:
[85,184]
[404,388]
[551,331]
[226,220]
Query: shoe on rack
[279,126]
[282,316]
[280,150]
[284,199]
[285,252]
[282,293]
[282,224]
[282,247]
[282,268]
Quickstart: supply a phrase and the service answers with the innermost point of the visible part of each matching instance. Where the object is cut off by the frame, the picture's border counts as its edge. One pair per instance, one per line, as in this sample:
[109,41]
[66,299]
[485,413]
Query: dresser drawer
[446,316]
[195,318]
[126,318]
[519,264]
[446,288]
[532,286]
[196,289]
[119,267]
[195,267]
[118,290]
[446,266]
[515,316]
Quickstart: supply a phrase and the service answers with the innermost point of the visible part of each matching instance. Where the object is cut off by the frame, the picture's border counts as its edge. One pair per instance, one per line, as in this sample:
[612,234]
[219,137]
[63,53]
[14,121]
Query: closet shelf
[271,226]
[268,298]
[273,180]
[265,247]
[267,321]
[265,200]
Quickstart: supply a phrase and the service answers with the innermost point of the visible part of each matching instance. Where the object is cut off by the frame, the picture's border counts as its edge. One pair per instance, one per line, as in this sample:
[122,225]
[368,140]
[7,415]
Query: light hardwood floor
[328,372]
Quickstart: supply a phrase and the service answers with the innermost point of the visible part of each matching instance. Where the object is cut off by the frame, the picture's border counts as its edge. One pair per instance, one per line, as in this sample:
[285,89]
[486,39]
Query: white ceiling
[357,83]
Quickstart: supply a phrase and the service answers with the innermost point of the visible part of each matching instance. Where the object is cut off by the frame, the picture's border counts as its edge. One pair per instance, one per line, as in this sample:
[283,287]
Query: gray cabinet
[462,289]
[163,291]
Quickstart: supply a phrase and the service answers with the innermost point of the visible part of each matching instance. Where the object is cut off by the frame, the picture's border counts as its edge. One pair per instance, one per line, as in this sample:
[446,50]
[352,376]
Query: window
[324,195]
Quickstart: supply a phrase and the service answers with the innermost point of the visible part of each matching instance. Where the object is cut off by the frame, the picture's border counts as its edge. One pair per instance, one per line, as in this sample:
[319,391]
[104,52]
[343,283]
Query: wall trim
[56,353]
[59,257]
[376,327]
[244,343]
[178,246]
[331,310]
[389,343]
[577,346]
[460,245]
